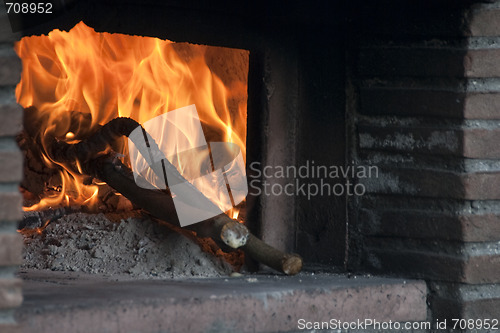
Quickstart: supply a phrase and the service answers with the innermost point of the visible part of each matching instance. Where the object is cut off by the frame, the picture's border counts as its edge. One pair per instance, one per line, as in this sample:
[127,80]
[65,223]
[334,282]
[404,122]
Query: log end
[292,264]
[234,234]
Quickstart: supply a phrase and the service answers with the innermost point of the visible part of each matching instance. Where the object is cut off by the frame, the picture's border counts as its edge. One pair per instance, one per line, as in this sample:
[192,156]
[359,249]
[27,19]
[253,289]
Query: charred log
[39,219]
[96,160]
[220,228]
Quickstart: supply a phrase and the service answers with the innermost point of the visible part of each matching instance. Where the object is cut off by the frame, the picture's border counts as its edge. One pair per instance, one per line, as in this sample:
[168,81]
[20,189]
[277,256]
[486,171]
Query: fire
[235,213]
[101,76]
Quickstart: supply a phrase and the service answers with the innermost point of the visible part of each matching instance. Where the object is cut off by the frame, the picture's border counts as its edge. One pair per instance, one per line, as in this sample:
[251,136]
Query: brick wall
[10,175]
[425,101]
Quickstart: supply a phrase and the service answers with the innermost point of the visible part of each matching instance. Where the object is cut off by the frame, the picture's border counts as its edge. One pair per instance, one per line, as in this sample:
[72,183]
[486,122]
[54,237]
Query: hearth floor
[75,302]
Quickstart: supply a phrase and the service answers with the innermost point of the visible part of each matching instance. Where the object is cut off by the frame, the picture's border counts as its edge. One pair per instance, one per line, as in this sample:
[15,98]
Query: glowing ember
[112,75]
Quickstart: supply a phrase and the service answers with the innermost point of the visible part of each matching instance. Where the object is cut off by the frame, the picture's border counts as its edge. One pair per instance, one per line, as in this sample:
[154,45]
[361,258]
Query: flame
[113,75]
[35,231]
[235,212]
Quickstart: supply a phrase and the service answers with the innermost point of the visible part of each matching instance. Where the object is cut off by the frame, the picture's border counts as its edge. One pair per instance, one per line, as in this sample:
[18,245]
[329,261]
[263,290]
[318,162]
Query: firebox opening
[74,84]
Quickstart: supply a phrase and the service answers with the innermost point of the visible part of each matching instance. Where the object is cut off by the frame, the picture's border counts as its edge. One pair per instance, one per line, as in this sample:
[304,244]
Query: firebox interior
[75,82]
[296,113]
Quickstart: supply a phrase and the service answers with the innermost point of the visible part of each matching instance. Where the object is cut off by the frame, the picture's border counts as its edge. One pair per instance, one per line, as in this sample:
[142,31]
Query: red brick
[480,228]
[10,67]
[430,225]
[11,328]
[436,184]
[485,22]
[12,118]
[416,182]
[476,263]
[10,206]
[481,143]
[11,165]
[274,305]
[482,63]
[440,141]
[481,186]
[11,249]
[453,300]
[11,295]
[411,263]
[482,106]
[482,269]
[469,142]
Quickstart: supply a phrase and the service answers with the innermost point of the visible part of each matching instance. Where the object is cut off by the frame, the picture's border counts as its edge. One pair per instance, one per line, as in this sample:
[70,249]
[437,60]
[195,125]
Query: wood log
[96,161]
[220,228]
[160,204]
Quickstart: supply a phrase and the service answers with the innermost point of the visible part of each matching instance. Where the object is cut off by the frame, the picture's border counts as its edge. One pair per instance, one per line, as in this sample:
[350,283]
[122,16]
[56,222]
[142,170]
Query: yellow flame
[110,75]
[235,214]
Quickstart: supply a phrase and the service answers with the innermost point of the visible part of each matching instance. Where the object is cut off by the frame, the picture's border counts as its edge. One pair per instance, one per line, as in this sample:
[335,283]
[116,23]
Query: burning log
[159,203]
[38,219]
[220,228]
[96,160]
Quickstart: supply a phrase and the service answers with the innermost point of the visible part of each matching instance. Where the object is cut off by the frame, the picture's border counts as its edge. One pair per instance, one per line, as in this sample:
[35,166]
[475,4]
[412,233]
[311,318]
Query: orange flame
[111,75]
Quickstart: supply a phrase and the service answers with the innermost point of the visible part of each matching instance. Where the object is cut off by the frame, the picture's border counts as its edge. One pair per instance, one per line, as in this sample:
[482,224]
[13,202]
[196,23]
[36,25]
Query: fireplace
[93,99]
[273,89]
[370,148]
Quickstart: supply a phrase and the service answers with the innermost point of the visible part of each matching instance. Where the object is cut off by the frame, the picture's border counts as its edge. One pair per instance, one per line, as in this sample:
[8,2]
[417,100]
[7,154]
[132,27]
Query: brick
[11,295]
[413,264]
[480,228]
[467,142]
[11,249]
[387,100]
[411,102]
[482,268]
[481,186]
[11,328]
[10,67]
[481,143]
[482,106]
[485,22]
[430,225]
[12,118]
[411,60]
[440,141]
[10,206]
[472,263]
[482,63]
[435,183]
[11,163]
[416,182]
[453,300]
[62,304]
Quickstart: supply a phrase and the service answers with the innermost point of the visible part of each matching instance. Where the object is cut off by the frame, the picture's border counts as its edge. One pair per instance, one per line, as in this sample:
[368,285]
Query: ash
[114,245]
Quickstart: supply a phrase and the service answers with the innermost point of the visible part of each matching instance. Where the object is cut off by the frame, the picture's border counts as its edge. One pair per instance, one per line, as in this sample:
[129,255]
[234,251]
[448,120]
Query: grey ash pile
[110,244]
